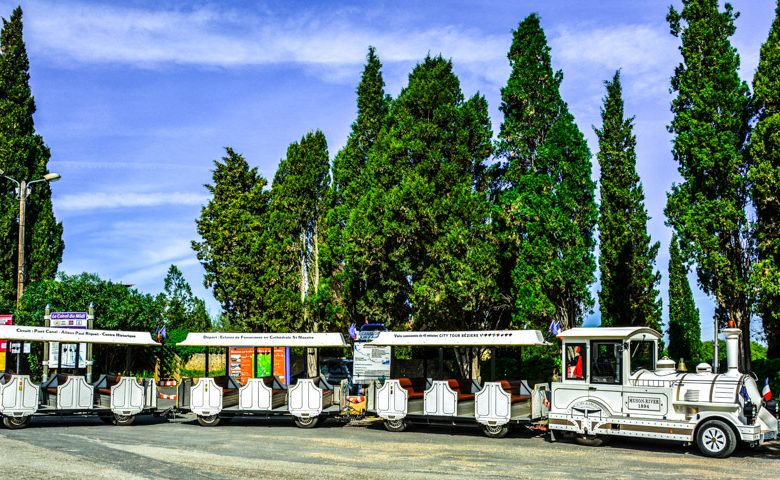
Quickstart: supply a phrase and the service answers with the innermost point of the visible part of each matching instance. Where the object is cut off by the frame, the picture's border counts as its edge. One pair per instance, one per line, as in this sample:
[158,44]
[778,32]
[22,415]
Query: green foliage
[183,310]
[765,177]
[299,299]
[547,210]
[419,241]
[768,368]
[629,284]
[116,307]
[25,157]
[710,124]
[233,227]
[684,325]
[348,187]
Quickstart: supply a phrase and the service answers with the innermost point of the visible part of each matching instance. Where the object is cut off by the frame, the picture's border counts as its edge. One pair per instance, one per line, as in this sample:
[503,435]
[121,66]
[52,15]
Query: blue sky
[136,99]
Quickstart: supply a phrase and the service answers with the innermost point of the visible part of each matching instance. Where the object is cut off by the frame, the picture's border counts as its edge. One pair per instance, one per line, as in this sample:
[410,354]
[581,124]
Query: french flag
[767,392]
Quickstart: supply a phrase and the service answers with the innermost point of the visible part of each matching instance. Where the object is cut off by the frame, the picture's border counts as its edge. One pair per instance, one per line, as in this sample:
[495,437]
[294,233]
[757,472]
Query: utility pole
[24,190]
[20,277]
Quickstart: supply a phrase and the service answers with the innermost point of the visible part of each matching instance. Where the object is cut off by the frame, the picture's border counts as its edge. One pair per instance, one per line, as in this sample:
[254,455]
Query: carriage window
[576,365]
[605,362]
[642,356]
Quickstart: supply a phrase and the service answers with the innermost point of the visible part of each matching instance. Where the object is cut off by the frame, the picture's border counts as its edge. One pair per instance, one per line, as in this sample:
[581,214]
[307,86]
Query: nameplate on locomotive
[644,403]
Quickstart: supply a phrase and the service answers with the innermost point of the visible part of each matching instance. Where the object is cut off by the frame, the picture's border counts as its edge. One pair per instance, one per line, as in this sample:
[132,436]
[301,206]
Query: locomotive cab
[613,384]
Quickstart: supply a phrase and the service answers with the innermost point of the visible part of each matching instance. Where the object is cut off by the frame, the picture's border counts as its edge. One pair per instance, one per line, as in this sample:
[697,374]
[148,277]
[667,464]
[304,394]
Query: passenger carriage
[614,385]
[307,400]
[440,399]
[115,399]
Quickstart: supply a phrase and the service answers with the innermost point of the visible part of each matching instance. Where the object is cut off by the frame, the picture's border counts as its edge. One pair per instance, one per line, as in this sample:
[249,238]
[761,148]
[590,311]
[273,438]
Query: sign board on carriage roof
[69,316]
[485,338]
[231,339]
[74,335]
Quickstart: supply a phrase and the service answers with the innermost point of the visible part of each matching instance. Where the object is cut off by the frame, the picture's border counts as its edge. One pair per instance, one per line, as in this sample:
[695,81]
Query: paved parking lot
[180,448]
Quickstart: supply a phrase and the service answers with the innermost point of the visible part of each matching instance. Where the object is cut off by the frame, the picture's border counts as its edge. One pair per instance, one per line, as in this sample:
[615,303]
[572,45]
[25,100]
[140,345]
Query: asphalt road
[251,448]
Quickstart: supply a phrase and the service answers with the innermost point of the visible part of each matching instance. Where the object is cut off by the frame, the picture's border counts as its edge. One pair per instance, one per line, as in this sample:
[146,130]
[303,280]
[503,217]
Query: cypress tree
[233,250]
[349,186]
[629,293]
[684,328]
[420,231]
[547,206]
[710,125]
[297,214]
[765,176]
[23,156]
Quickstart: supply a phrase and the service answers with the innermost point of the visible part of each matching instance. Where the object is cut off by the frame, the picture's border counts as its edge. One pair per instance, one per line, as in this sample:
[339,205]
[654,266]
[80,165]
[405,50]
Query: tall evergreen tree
[298,210]
[711,113]
[233,227]
[420,231]
[23,156]
[548,210]
[349,186]
[629,284]
[684,327]
[765,176]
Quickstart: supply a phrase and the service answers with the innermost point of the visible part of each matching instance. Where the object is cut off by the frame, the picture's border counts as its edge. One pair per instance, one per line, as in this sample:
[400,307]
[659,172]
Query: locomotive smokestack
[732,348]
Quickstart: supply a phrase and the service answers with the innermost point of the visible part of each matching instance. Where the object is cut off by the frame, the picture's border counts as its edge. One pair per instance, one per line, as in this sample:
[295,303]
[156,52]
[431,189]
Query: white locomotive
[613,384]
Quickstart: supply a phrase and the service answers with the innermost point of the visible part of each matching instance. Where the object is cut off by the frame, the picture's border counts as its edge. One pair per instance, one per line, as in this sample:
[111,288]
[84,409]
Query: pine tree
[765,176]
[419,234]
[629,284]
[233,250]
[710,125]
[23,156]
[349,186]
[684,328]
[547,205]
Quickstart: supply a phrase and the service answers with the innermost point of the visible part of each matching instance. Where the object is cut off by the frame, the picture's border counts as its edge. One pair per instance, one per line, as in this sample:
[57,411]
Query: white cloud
[645,52]
[206,37]
[101,200]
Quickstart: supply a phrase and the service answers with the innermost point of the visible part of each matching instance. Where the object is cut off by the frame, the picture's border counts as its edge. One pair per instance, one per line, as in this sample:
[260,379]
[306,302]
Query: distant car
[335,370]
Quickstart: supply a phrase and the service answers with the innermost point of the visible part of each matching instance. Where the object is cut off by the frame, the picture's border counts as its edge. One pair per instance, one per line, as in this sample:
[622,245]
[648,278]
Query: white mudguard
[19,397]
[127,397]
[492,405]
[206,398]
[305,398]
[391,400]
[255,395]
[75,394]
[440,400]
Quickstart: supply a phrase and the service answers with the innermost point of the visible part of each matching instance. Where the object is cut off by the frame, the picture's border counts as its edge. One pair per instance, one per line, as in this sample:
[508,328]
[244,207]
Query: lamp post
[23,188]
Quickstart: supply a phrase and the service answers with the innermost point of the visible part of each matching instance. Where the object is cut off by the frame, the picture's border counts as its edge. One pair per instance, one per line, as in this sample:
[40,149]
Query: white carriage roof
[477,338]
[623,333]
[226,339]
[74,335]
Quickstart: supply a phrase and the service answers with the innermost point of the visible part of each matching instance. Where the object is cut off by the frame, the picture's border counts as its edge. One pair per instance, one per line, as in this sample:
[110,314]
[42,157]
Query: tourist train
[611,384]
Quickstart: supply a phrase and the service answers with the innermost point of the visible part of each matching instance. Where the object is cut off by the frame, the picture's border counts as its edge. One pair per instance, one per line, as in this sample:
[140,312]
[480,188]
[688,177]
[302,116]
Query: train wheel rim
[714,439]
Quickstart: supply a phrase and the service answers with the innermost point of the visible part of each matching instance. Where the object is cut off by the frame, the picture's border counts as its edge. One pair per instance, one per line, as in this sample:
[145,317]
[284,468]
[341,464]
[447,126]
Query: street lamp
[23,189]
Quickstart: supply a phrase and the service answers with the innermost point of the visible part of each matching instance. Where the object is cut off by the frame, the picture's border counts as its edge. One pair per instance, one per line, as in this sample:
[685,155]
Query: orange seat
[461,388]
[412,390]
[511,388]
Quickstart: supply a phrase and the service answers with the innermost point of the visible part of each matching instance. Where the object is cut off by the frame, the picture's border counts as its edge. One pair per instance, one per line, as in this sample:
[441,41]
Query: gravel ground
[155,448]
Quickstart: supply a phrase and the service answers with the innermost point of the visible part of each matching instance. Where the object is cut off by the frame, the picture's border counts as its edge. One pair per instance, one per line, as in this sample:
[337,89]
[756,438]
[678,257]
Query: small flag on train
[555,327]
[353,331]
[743,391]
[767,392]
[161,333]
